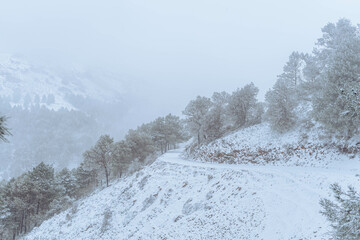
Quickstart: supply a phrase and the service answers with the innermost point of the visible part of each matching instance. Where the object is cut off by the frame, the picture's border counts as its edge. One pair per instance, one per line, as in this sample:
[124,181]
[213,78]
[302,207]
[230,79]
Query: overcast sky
[171,50]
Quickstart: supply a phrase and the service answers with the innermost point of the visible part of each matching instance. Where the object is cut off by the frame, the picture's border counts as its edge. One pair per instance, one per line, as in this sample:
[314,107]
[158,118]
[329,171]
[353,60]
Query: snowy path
[290,194]
[180,199]
[174,157]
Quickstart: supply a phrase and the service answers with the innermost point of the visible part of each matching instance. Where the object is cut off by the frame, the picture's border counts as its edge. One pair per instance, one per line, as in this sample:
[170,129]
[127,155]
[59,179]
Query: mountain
[24,84]
[55,116]
[178,197]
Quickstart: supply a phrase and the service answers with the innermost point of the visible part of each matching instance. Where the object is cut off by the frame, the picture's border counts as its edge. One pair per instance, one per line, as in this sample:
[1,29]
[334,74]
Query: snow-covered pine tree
[196,112]
[99,156]
[213,124]
[292,71]
[121,158]
[43,178]
[4,210]
[66,182]
[343,213]
[86,179]
[174,130]
[240,104]
[157,130]
[140,143]
[351,96]
[338,56]
[310,84]
[217,122]
[281,103]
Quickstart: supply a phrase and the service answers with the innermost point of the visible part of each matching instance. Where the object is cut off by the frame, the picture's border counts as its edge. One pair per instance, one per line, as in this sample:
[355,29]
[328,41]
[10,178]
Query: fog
[168,52]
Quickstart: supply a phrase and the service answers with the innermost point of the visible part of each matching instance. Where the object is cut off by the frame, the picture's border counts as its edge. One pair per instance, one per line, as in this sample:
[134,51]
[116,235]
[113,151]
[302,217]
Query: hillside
[25,84]
[179,198]
[260,145]
[54,116]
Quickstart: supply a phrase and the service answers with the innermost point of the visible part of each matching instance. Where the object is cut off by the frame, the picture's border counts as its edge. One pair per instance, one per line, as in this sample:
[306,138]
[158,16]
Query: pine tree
[240,104]
[196,112]
[310,84]
[343,213]
[281,104]
[293,69]
[140,144]
[86,178]
[157,130]
[216,121]
[174,131]
[338,55]
[4,131]
[121,158]
[4,211]
[99,156]
[66,183]
[43,178]
[213,124]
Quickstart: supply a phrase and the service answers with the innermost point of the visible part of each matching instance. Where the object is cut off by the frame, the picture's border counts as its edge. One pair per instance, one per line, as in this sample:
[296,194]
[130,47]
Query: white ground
[175,198]
[259,144]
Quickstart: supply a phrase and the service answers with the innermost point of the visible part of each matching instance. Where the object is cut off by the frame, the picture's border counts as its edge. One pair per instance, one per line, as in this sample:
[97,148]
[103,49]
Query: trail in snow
[290,194]
[176,198]
[174,157]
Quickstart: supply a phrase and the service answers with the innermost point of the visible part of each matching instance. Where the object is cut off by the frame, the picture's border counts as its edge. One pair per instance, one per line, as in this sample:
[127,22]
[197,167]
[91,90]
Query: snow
[259,144]
[179,198]
[19,79]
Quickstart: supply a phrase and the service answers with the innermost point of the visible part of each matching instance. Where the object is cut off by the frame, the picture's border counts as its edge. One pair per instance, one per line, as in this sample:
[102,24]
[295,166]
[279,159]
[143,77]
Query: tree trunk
[107,177]
[22,221]
[25,222]
[38,208]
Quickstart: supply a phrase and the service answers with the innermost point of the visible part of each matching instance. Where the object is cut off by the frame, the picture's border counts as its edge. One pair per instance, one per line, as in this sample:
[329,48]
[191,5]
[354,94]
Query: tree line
[37,139]
[28,200]
[326,81]
[210,118]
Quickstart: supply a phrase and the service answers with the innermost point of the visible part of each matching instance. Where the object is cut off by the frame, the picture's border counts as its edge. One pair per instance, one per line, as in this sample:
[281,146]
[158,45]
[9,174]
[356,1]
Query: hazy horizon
[89,150]
[169,51]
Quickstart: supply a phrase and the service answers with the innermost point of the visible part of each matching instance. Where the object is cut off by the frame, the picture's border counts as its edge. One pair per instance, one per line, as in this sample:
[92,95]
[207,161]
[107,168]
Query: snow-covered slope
[259,144]
[176,198]
[24,84]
